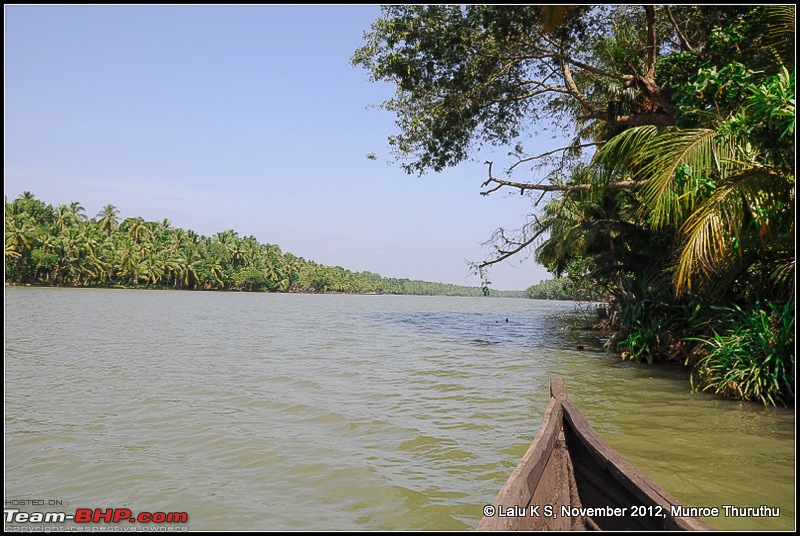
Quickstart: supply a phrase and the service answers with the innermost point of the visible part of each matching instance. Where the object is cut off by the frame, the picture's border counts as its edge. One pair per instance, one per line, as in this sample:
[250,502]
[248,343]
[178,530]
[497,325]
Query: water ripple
[294,412]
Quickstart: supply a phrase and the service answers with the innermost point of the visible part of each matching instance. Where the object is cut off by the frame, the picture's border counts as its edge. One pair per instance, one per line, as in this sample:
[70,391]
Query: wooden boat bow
[570,479]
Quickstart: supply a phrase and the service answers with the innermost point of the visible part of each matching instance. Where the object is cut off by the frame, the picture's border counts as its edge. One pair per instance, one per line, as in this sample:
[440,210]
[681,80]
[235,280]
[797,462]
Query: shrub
[752,357]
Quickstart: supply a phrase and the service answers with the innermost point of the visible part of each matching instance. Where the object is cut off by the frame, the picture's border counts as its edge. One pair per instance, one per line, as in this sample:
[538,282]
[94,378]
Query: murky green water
[305,412]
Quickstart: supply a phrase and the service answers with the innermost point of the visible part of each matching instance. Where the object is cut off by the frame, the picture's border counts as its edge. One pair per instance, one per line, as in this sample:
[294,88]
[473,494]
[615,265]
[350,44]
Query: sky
[249,118]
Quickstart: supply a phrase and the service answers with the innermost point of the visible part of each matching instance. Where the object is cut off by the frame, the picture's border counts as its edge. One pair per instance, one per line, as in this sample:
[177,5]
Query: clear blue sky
[248,118]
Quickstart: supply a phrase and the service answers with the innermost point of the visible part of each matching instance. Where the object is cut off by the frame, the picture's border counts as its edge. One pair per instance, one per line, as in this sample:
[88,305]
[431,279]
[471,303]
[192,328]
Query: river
[340,412]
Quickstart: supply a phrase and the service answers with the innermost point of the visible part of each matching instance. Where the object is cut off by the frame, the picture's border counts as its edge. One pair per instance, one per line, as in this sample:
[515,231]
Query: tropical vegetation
[552,289]
[61,246]
[673,196]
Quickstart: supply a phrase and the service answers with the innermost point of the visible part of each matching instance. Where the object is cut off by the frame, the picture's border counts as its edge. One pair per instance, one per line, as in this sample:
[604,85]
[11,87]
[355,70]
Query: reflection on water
[299,412]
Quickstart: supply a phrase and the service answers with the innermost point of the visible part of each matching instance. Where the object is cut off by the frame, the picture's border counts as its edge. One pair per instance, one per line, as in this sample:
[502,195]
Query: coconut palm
[728,190]
[151,269]
[17,229]
[138,230]
[727,183]
[63,218]
[108,219]
[187,262]
[77,210]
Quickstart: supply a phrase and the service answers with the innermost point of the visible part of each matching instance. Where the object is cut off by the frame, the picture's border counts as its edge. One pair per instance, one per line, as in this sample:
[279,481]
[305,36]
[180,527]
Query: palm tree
[127,259]
[216,272]
[292,270]
[151,269]
[17,229]
[81,261]
[729,194]
[186,263]
[77,210]
[727,183]
[138,230]
[63,218]
[108,219]
[44,255]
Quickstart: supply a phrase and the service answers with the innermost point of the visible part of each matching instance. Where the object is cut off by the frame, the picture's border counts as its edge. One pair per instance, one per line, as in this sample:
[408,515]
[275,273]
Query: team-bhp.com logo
[96,515]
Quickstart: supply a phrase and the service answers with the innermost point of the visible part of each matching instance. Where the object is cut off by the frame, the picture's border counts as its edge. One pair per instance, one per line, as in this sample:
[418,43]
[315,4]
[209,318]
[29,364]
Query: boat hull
[570,479]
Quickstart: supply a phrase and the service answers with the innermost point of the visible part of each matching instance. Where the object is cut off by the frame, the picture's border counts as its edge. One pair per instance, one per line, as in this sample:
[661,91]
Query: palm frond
[784,273]
[656,155]
[701,154]
[706,244]
[777,25]
[614,158]
[711,235]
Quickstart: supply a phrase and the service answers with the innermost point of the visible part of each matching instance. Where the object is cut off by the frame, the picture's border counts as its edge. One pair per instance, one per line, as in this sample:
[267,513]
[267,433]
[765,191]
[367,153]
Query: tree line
[673,194]
[62,246]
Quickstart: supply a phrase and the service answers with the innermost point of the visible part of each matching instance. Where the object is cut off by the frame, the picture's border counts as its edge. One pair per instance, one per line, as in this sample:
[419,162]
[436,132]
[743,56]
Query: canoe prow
[570,479]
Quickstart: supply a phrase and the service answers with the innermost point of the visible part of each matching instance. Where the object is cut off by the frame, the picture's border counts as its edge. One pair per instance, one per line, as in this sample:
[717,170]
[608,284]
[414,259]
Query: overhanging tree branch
[598,71]
[659,118]
[566,189]
[506,254]
[542,227]
[575,92]
[681,35]
[554,151]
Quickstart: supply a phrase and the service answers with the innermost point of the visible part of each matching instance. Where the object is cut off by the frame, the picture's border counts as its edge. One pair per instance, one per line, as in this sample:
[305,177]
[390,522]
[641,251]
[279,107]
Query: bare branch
[554,151]
[681,35]
[506,254]
[567,189]
[646,84]
[596,70]
[575,92]
[633,120]
[545,89]
[661,112]
[542,227]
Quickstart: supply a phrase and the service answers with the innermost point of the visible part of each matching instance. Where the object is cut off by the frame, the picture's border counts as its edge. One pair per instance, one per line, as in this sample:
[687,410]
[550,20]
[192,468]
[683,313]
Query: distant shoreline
[515,294]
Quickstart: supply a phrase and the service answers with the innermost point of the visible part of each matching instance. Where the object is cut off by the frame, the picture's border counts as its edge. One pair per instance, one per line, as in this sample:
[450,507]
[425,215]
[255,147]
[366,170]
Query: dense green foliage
[749,354]
[565,288]
[551,289]
[674,199]
[61,246]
